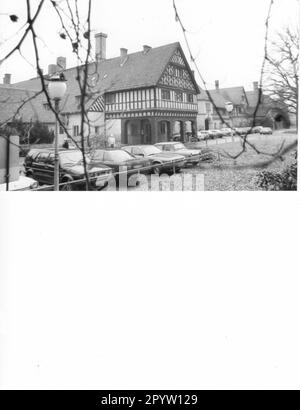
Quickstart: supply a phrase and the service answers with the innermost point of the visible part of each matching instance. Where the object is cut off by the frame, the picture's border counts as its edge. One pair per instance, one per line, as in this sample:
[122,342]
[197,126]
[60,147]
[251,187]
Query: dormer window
[46,106]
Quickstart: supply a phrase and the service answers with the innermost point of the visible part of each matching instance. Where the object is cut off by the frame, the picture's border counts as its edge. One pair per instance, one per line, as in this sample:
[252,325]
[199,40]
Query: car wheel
[29,173]
[103,187]
[67,186]
[156,169]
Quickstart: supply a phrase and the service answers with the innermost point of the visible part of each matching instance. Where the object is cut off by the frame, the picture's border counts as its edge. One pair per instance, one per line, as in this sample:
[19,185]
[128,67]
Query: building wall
[205,110]
[98,128]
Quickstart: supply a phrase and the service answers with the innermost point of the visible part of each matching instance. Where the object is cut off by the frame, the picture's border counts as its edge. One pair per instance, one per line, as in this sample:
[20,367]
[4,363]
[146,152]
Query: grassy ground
[226,174]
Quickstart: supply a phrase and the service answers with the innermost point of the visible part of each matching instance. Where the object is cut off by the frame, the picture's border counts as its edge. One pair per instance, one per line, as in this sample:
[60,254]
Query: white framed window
[179,96]
[190,98]
[165,94]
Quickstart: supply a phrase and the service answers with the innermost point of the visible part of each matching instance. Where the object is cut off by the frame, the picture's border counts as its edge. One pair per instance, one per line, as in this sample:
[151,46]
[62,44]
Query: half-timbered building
[139,98]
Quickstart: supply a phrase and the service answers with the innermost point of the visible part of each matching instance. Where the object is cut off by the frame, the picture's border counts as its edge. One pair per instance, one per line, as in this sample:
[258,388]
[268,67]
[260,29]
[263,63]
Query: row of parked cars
[103,163]
[227,132]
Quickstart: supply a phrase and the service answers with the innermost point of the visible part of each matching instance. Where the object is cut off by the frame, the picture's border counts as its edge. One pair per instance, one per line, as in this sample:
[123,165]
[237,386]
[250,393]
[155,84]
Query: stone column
[154,122]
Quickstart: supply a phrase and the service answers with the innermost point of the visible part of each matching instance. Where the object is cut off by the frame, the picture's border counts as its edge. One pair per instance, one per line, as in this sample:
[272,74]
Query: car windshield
[151,150]
[71,158]
[117,156]
[179,146]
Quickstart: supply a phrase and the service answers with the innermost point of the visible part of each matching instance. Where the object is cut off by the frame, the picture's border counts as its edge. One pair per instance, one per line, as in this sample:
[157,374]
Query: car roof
[168,143]
[108,149]
[138,146]
[52,150]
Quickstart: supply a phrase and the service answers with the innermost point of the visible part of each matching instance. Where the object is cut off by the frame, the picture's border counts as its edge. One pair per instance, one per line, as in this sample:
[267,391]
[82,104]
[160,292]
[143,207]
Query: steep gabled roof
[236,95]
[136,70]
[252,97]
[24,104]
[267,104]
[218,98]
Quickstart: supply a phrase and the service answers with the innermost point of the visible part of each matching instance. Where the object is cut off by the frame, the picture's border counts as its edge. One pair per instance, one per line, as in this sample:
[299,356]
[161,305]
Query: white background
[148,291]
[227,37]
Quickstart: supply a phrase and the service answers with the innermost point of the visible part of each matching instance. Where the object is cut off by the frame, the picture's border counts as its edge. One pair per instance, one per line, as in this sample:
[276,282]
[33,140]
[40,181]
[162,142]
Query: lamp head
[57,86]
[229,107]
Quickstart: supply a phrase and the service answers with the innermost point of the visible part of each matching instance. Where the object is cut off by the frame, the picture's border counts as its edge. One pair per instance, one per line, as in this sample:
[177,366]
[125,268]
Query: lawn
[225,174]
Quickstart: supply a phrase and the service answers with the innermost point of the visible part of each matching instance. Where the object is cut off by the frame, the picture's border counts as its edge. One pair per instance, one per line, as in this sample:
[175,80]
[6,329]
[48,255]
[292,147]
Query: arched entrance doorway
[137,132]
[190,130]
[164,131]
[280,122]
[146,134]
[178,131]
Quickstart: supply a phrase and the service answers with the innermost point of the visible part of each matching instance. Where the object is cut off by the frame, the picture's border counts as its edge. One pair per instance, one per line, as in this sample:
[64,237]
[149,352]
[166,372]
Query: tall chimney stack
[255,85]
[123,52]
[217,84]
[100,40]
[52,69]
[146,49]
[61,63]
[7,79]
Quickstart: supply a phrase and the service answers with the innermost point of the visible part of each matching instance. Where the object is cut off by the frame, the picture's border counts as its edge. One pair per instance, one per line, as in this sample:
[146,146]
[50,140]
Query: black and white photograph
[170,264]
[201,104]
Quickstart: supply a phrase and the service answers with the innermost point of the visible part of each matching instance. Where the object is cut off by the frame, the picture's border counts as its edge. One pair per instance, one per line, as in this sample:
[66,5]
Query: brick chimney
[146,49]
[123,52]
[52,69]
[255,86]
[61,63]
[217,84]
[7,79]
[100,40]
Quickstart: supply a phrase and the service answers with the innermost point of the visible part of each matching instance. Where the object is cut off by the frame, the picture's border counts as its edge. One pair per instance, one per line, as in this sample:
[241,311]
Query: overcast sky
[227,37]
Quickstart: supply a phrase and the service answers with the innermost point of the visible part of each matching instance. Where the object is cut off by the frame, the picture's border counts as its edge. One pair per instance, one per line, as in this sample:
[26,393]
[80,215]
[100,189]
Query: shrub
[285,180]
[207,155]
[33,133]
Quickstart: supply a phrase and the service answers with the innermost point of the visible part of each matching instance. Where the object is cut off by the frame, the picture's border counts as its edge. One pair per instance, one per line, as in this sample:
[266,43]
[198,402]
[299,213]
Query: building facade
[140,98]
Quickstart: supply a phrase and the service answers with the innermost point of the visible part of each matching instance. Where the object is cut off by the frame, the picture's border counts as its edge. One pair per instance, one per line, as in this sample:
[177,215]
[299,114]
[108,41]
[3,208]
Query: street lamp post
[229,108]
[57,88]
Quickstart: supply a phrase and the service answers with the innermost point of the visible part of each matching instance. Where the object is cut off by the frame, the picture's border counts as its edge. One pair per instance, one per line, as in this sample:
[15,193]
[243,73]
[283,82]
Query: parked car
[176,137]
[201,136]
[160,161]
[227,132]
[192,156]
[22,184]
[116,158]
[213,134]
[39,164]
[257,129]
[266,131]
[243,130]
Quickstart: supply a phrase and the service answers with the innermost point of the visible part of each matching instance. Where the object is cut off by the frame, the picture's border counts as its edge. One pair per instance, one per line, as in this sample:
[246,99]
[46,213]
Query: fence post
[7,176]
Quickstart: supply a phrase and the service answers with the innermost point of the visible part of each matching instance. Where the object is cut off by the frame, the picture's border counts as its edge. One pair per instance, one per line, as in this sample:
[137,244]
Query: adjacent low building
[18,103]
[268,112]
